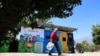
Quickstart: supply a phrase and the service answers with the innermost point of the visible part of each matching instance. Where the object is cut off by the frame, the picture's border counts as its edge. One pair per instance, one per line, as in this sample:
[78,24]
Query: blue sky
[83,18]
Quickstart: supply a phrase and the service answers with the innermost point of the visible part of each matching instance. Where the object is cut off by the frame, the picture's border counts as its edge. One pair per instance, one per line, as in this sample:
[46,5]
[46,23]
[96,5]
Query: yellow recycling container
[63,40]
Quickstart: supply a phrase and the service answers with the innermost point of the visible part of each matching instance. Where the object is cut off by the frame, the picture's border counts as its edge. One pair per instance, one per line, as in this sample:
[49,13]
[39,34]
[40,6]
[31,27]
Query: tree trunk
[13,47]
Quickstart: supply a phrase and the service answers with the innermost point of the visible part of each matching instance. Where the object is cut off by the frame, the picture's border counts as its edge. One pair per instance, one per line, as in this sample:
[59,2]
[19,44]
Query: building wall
[35,40]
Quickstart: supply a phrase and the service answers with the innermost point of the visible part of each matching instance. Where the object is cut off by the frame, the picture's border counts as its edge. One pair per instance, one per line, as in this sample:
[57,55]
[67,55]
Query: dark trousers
[57,48]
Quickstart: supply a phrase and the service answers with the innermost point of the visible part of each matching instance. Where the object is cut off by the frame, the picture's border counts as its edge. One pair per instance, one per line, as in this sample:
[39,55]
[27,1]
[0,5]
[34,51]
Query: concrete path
[36,54]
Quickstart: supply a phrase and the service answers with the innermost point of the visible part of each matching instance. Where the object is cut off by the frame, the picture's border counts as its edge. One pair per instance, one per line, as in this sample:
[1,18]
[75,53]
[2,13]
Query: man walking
[54,39]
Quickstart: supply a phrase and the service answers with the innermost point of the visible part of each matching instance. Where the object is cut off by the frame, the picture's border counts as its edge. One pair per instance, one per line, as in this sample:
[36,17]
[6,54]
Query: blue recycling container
[47,34]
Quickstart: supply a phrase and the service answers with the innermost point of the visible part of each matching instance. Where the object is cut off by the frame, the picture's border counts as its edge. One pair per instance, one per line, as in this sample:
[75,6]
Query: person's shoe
[50,55]
[59,53]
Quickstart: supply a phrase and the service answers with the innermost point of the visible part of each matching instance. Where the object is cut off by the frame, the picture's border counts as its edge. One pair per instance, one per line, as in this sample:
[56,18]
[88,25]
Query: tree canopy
[85,47]
[79,47]
[96,34]
[13,11]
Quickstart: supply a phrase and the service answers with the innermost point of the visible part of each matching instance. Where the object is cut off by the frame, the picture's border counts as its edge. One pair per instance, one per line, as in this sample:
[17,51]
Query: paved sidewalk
[36,54]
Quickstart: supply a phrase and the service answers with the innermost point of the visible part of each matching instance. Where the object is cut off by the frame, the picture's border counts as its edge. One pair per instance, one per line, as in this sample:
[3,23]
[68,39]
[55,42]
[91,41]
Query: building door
[71,42]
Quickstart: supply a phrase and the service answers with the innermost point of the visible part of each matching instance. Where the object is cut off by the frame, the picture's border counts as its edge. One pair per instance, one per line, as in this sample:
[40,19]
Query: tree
[13,11]
[92,47]
[96,34]
[85,45]
[79,47]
